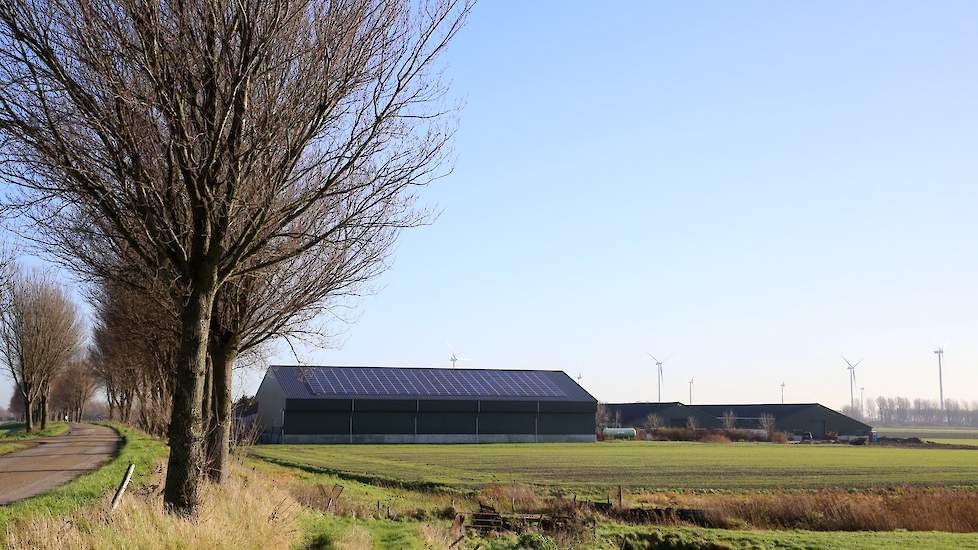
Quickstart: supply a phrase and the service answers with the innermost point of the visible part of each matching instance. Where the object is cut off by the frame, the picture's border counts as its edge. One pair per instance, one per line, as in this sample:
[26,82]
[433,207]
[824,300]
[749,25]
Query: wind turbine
[690,391]
[658,366]
[852,382]
[454,359]
[862,403]
[939,352]
[782,393]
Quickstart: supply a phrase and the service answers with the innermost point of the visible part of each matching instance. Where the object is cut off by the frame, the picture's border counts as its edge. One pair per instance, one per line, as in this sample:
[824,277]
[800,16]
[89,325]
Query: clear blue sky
[752,188]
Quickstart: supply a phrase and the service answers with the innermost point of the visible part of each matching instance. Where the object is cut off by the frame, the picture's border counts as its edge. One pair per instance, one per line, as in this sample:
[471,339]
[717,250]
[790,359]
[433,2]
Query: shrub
[778,437]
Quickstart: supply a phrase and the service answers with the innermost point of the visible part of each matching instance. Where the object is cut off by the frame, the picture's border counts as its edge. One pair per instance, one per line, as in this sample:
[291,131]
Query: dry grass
[910,509]
[354,538]
[512,497]
[438,536]
[246,512]
[715,438]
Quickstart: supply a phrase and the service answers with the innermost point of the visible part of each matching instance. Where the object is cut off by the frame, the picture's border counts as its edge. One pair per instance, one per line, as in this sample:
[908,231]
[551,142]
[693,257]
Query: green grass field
[595,468]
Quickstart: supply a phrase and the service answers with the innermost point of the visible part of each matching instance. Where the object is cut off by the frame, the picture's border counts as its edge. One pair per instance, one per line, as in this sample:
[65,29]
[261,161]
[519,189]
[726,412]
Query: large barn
[422,405]
[796,418]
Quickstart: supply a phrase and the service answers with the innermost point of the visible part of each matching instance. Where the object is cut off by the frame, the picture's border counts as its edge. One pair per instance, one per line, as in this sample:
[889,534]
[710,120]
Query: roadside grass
[247,511]
[14,438]
[14,431]
[137,447]
[11,447]
[594,470]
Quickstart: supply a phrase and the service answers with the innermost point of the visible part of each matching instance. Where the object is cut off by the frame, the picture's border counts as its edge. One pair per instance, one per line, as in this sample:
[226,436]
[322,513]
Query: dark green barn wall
[413,420]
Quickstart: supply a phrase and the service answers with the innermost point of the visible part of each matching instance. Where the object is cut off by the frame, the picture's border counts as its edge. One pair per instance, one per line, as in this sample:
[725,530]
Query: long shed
[794,418]
[422,405]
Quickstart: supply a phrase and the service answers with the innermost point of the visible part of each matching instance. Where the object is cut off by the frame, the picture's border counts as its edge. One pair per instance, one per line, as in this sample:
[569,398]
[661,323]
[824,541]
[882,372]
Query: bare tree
[602,417]
[40,333]
[72,390]
[653,422]
[729,420]
[282,302]
[195,137]
[768,423]
[16,405]
[133,355]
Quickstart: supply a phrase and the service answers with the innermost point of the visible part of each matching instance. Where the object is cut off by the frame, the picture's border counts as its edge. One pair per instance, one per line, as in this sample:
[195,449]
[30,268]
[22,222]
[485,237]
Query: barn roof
[333,382]
[755,410]
[634,414]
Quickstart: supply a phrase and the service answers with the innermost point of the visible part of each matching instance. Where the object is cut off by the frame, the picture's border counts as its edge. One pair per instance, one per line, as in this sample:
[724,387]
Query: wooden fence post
[122,486]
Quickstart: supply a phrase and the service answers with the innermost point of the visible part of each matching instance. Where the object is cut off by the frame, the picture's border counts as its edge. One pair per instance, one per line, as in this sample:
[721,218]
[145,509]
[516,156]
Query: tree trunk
[223,357]
[29,414]
[185,467]
[208,398]
[44,411]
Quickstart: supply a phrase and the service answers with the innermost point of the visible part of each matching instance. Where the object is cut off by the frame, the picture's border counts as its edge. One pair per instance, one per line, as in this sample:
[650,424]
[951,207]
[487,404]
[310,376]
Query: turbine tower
[455,359]
[690,391]
[782,393]
[852,382]
[658,366]
[939,352]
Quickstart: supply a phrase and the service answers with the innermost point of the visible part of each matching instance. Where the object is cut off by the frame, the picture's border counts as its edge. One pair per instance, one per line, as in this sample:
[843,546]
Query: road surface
[54,461]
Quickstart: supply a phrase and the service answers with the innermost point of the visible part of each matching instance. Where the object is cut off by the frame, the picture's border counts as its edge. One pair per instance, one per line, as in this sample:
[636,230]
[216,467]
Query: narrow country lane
[54,461]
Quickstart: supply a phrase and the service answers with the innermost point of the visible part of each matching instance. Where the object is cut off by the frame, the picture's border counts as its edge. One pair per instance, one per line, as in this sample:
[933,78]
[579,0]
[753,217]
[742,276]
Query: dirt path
[54,461]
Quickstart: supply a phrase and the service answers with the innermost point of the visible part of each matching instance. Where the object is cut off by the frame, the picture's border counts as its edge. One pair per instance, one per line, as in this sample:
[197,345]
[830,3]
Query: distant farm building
[422,405]
[798,419]
[668,415]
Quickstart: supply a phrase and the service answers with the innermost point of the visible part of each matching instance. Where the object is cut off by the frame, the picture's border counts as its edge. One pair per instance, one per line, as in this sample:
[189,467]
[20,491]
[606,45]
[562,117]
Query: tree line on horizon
[218,175]
[904,411]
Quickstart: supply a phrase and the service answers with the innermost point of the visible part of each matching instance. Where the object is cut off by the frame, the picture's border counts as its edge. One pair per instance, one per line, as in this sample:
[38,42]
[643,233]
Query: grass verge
[14,431]
[137,448]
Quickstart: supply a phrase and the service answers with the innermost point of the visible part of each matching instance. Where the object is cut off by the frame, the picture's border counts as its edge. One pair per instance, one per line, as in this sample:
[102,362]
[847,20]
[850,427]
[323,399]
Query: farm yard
[596,469]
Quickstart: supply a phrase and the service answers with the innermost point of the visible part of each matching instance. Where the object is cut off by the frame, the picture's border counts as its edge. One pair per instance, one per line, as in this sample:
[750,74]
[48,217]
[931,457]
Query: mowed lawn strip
[595,467]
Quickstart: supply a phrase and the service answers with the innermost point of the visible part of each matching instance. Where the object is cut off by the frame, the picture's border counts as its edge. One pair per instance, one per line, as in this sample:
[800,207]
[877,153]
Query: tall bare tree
[196,135]
[135,340]
[72,390]
[283,302]
[40,334]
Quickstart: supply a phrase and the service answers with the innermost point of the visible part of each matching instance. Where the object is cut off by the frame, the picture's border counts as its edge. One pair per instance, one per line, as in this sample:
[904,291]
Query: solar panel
[374,381]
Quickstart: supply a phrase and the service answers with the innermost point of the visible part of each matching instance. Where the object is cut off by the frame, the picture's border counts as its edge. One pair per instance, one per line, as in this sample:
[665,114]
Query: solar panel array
[370,381]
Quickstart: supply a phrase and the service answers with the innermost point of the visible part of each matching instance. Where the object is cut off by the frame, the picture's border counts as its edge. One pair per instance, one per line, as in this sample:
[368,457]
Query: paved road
[55,461]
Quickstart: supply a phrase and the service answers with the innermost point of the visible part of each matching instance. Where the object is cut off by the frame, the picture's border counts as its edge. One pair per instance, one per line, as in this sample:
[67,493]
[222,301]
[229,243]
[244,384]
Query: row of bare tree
[903,411]
[221,173]
[42,345]
[71,398]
